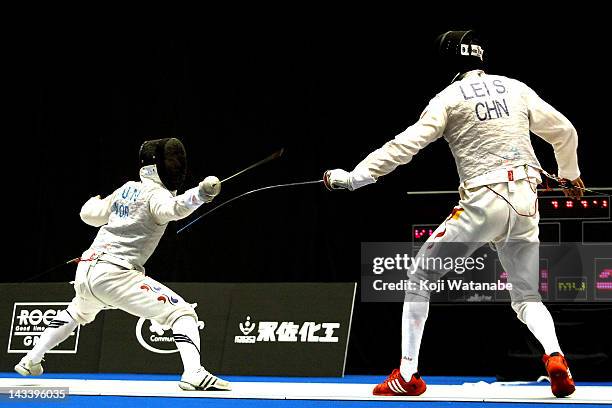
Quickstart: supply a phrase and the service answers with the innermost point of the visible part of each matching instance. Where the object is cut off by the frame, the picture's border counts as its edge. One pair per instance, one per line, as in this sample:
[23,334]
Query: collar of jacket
[474,72]
[148,174]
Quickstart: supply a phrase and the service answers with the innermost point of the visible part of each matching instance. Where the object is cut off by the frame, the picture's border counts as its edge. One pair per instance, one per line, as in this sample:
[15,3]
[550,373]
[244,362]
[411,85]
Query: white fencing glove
[341,179]
[209,188]
[337,179]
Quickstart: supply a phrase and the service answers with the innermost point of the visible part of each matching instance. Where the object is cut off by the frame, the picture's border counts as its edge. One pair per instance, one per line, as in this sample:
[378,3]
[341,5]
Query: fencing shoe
[396,385]
[561,380]
[202,380]
[27,367]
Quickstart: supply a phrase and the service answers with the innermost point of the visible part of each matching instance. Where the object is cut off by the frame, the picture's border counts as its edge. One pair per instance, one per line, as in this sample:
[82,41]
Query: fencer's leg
[521,260]
[187,339]
[405,381]
[465,229]
[414,317]
[82,310]
[145,297]
[539,321]
[195,377]
[59,330]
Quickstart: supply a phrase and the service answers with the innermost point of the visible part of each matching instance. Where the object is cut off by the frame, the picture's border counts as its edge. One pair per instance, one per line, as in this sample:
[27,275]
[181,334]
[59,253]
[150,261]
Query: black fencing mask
[460,52]
[170,158]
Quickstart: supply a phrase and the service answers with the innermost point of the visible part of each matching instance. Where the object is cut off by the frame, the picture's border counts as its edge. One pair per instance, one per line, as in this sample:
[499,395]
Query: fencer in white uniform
[486,120]
[111,273]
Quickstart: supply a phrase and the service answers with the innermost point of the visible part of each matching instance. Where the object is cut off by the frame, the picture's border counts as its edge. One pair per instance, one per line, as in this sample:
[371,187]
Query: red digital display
[584,203]
[503,277]
[604,280]
[544,281]
[566,208]
[421,234]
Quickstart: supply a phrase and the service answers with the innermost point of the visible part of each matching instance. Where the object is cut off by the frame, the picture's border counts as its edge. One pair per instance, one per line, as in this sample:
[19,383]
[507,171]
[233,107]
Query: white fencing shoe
[27,367]
[202,380]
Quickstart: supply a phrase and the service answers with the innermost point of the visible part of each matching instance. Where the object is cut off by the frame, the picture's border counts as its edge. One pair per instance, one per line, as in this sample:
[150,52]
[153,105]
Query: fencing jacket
[486,121]
[135,216]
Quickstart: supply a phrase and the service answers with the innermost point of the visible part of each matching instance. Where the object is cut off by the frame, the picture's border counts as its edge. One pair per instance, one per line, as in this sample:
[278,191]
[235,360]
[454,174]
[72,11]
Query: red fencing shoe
[396,385]
[561,380]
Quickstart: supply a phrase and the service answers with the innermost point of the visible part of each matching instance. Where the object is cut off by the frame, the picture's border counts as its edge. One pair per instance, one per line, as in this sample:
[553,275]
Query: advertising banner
[289,329]
[26,309]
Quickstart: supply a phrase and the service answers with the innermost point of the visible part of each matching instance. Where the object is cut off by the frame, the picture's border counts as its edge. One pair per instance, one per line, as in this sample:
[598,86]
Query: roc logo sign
[30,320]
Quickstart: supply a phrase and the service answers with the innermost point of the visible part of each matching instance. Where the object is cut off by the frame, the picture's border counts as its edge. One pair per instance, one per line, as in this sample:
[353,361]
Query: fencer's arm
[166,208]
[550,124]
[96,210]
[403,147]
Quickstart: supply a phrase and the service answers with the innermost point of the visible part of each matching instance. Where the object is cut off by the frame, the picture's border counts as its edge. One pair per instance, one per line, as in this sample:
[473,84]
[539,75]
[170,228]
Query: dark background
[329,91]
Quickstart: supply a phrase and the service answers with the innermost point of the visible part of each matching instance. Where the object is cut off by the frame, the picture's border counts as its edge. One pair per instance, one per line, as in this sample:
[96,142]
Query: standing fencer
[110,274]
[486,120]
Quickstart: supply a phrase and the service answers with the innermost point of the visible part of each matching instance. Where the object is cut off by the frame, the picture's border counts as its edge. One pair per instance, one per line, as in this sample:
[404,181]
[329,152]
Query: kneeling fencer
[110,274]
[486,120]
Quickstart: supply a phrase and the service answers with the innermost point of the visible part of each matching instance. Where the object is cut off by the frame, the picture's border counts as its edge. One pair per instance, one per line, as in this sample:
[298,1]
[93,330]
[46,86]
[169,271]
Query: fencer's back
[488,124]
[131,233]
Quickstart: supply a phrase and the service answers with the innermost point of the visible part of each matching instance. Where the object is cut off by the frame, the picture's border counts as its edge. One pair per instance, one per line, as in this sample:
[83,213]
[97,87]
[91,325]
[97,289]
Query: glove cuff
[192,198]
[360,177]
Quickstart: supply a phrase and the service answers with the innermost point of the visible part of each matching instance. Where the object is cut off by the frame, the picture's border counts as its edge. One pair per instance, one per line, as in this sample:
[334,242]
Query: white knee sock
[187,339]
[539,321]
[59,329]
[413,323]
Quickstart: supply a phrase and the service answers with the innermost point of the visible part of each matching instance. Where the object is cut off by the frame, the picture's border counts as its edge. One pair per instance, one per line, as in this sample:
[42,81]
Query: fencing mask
[170,158]
[460,51]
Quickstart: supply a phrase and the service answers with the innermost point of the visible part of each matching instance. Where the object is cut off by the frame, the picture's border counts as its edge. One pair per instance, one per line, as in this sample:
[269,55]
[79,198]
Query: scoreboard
[591,214]
[563,208]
